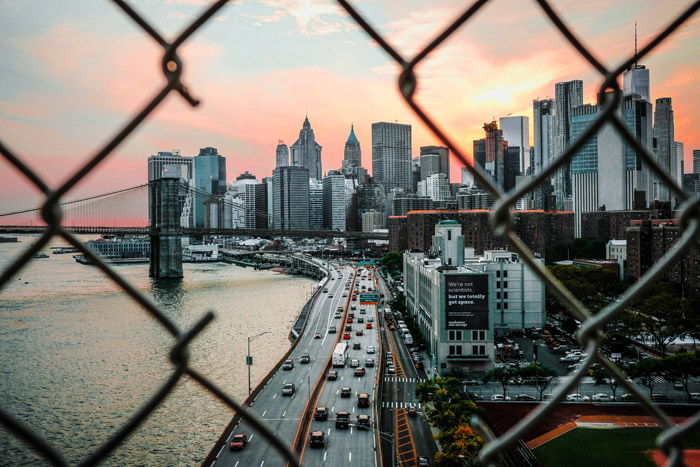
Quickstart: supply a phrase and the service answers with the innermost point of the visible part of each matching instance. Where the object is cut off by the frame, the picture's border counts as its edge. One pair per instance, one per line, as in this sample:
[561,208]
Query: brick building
[397,233]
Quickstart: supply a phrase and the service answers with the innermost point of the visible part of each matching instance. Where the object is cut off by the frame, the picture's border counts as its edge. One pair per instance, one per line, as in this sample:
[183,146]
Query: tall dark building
[352,156]
[665,149]
[511,166]
[290,198]
[568,95]
[306,152]
[391,155]
[434,159]
[209,180]
[282,155]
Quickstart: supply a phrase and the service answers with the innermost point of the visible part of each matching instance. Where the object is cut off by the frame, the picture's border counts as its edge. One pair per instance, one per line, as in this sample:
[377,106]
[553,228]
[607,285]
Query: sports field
[620,447]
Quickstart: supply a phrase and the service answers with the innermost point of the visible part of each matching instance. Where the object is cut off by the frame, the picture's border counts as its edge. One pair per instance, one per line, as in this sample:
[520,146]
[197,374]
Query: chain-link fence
[591,331]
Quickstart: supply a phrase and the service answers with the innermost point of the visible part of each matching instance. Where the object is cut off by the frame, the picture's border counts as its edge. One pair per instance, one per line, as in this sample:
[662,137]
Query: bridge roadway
[349,446]
[282,414]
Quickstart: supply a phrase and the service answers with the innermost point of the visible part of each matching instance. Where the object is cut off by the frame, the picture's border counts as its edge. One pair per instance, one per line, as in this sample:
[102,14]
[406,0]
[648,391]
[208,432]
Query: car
[363,422]
[349,320]
[346,335]
[342,420]
[359,332]
[423,462]
[363,400]
[369,362]
[288,365]
[348,327]
[345,392]
[317,335]
[332,375]
[525,397]
[332,330]
[391,369]
[238,442]
[627,398]
[288,389]
[370,319]
[370,349]
[330,295]
[339,309]
[362,311]
[345,295]
[353,307]
[500,397]
[695,396]
[356,346]
[678,385]
[412,412]
[577,398]
[305,358]
[354,363]
[317,439]
[474,396]
[602,397]
[471,382]
[360,319]
[571,358]
[360,371]
[337,316]
[321,414]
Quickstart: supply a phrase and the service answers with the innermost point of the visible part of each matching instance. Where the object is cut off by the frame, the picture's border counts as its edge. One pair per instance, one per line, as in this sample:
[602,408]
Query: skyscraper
[568,95]
[494,152]
[306,152]
[352,156]
[209,179]
[290,200]
[334,202]
[282,158]
[544,125]
[171,163]
[666,151]
[391,155]
[635,80]
[696,161]
[434,159]
[516,130]
[315,204]
[680,149]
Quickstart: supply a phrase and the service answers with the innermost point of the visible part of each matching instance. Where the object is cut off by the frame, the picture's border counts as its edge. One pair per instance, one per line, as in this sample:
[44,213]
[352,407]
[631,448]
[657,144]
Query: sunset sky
[73,72]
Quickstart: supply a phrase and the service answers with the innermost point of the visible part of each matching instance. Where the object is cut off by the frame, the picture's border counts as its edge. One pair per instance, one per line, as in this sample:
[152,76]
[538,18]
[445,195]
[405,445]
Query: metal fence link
[589,336]
[591,331]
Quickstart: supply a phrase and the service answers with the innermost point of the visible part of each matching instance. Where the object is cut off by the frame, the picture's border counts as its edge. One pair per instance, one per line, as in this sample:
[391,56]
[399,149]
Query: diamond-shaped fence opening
[591,331]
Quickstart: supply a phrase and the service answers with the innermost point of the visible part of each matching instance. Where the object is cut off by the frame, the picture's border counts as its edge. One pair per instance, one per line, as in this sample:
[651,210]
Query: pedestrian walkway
[398,379]
[401,405]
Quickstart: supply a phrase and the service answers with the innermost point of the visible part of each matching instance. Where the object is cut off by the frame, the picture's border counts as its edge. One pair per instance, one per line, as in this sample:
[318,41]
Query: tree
[539,375]
[398,303]
[601,376]
[502,375]
[460,446]
[393,262]
[681,367]
[594,287]
[646,371]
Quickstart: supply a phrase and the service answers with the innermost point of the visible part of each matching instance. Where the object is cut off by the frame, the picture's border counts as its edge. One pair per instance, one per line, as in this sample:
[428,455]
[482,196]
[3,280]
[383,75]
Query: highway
[349,446]
[282,413]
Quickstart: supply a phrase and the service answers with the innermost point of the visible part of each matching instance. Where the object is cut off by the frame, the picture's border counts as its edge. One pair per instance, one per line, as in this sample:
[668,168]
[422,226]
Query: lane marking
[236,464]
[324,456]
[251,437]
[284,413]
[275,395]
[262,463]
[350,457]
[264,413]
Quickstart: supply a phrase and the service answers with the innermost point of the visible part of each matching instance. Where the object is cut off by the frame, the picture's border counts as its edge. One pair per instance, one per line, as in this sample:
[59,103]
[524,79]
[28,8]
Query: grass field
[620,447]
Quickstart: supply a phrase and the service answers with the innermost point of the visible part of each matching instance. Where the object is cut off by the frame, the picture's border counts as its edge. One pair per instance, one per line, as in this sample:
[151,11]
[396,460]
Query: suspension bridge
[156,209]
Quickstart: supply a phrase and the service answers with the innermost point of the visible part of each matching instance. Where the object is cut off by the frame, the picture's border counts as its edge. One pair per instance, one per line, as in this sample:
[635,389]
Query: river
[79,357]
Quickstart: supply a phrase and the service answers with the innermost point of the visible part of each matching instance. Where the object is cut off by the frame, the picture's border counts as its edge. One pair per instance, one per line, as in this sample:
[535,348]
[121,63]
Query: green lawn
[587,447]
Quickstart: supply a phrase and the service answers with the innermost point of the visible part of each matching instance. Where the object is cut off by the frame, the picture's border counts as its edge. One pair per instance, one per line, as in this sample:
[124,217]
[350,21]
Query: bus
[340,355]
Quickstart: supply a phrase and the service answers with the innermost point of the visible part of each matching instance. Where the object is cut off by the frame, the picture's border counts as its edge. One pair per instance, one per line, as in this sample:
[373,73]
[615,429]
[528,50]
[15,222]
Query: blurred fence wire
[589,336]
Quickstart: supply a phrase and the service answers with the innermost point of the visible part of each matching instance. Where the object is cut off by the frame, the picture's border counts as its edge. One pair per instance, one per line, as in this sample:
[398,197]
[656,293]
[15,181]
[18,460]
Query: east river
[78,357]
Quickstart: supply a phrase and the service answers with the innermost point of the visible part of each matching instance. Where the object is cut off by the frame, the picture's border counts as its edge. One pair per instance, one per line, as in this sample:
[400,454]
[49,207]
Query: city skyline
[44,101]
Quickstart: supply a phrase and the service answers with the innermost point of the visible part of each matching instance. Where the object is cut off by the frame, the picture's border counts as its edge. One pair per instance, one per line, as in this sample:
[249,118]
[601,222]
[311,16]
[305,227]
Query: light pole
[249,358]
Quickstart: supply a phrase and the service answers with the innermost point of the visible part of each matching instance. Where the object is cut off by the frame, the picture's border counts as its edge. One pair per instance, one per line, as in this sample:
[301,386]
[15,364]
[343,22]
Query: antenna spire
[635,44]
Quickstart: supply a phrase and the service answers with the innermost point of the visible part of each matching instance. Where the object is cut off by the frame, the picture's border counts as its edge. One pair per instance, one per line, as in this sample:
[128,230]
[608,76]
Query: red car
[368,325]
[346,335]
[360,372]
[239,442]
[349,320]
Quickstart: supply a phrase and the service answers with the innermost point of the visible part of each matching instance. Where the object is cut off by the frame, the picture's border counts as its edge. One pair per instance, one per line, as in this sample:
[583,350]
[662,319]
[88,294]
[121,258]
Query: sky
[73,72]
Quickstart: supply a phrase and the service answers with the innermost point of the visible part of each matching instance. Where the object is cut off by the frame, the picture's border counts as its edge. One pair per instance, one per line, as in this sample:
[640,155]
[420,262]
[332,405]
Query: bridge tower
[166,234]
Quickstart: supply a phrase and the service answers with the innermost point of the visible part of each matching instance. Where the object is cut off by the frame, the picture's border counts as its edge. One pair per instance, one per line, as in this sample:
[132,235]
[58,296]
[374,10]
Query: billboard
[466,301]
[369,299]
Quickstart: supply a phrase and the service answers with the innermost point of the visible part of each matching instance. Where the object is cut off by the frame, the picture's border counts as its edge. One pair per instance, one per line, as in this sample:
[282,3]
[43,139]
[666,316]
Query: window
[505,273]
[449,235]
[498,305]
[505,294]
[505,284]
[498,273]
[454,335]
[479,335]
[498,294]
[498,284]
[505,305]
[455,350]
[479,349]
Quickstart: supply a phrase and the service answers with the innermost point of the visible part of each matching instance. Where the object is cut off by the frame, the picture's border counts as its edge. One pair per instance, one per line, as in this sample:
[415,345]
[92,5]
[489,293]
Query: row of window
[498,273]
[477,335]
[478,349]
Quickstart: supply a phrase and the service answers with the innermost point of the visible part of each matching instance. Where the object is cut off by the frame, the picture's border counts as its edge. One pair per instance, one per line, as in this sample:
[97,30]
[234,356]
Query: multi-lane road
[282,413]
[350,446]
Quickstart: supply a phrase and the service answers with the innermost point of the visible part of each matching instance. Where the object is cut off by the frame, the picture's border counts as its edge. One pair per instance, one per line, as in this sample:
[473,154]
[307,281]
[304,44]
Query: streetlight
[249,358]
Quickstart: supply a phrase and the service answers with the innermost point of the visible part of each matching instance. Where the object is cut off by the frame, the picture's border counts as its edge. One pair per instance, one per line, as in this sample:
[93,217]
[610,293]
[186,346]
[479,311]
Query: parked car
[423,462]
[627,398]
[471,382]
[499,397]
[288,389]
[525,397]
[238,442]
[288,365]
[577,398]
[602,397]
[474,396]
[658,397]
